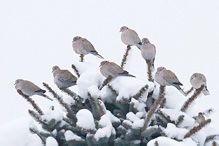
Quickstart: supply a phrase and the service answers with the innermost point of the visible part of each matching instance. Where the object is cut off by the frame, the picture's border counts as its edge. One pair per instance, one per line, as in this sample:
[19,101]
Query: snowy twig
[125,56]
[34,131]
[99,103]
[189,91]
[163,116]
[162,102]
[156,143]
[211,137]
[105,82]
[149,71]
[76,70]
[140,92]
[76,97]
[191,99]
[31,102]
[113,90]
[214,143]
[197,128]
[152,110]
[93,105]
[179,120]
[65,105]
[82,58]
[37,117]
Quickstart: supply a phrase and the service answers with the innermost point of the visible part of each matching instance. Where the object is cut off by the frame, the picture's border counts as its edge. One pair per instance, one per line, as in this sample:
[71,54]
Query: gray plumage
[83,46]
[28,88]
[130,37]
[168,78]
[197,80]
[200,118]
[63,78]
[111,69]
[148,52]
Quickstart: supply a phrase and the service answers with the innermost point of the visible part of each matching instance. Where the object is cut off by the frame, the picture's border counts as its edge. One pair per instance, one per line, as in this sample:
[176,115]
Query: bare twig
[152,110]
[75,70]
[197,128]
[191,99]
[149,71]
[31,102]
[125,56]
[81,58]
[105,82]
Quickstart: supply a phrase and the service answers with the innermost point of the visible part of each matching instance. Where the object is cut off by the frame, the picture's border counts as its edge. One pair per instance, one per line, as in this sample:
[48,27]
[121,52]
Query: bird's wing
[170,77]
[114,68]
[135,37]
[87,45]
[30,86]
[65,76]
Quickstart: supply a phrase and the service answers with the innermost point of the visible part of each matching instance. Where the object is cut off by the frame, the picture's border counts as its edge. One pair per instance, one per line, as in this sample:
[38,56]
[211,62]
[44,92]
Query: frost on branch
[119,111]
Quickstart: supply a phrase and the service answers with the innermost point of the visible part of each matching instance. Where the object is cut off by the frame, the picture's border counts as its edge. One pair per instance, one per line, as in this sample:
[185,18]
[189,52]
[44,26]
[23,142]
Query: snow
[69,135]
[140,106]
[17,133]
[174,115]
[106,128]
[164,141]
[42,39]
[50,141]
[85,119]
[173,132]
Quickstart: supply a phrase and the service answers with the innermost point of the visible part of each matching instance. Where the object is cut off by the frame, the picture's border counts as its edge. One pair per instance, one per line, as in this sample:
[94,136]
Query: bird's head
[55,68]
[18,81]
[123,28]
[145,41]
[159,69]
[76,38]
[103,63]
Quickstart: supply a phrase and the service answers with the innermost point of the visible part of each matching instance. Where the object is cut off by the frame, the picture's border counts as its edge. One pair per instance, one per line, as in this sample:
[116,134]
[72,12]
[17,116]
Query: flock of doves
[65,79]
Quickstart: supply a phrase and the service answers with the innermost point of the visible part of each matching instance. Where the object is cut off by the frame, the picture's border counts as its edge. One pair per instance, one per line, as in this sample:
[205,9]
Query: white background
[36,35]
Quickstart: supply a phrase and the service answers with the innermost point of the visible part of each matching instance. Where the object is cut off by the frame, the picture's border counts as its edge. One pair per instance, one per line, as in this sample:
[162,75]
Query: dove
[197,80]
[148,52]
[83,46]
[111,69]
[28,88]
[200,118]
[168,78]
[63,78]
[130,37]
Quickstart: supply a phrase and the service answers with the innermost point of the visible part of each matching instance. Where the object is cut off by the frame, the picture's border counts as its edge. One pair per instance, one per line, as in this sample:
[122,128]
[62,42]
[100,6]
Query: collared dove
[63,78]
[168,78]
[197,80]
[200,118]
[28,88]
[83,46]
[111,69]
[148,52]
[130,37]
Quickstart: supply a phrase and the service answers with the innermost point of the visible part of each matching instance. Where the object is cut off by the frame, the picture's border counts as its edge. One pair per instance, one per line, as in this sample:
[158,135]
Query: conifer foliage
[138,119]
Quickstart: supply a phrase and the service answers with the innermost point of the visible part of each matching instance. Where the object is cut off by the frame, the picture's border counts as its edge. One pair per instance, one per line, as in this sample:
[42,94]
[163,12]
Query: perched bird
[130,37]
[148,52]
[200,118]
[197,80]
[111,69]
[63,78]
[28,88]
[83,46]
[168,78]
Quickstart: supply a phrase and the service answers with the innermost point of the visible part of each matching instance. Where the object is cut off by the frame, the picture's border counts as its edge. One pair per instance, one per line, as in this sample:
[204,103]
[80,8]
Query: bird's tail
[205,91]
[96,54]
[44,95]
[180,89]
[125,73]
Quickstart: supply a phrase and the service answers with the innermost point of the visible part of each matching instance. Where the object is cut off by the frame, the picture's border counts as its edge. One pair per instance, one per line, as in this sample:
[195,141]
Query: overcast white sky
[35,35]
